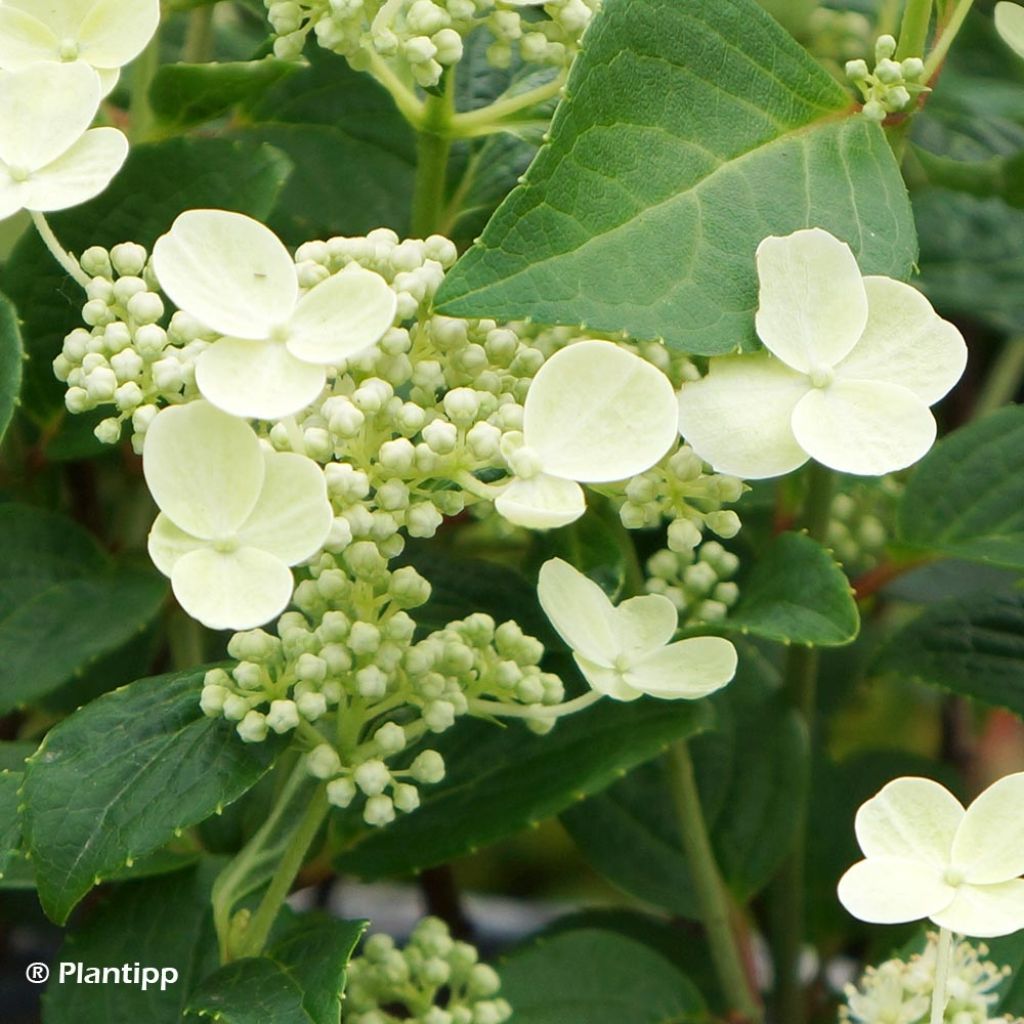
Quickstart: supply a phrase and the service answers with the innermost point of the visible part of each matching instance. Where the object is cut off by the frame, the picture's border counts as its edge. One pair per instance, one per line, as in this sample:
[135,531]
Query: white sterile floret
[233,515]
[1010,25]
[102,34]
[593,414]
[49,157]
[234,275]
[853,363]
[626,651]
[926,857]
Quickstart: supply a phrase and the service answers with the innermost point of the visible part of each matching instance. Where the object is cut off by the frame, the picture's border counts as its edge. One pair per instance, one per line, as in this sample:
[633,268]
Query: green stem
[949,32]
[1003,380]
[433,147]
[495,709]
[917,16]
[57,251]
[801,682]
[409,105]
[487,120]
[943,957]
[713,901]
[262,921]
[199,38]
[143,120]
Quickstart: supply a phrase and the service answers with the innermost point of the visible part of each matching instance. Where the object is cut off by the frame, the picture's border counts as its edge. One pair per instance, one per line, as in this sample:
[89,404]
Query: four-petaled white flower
[1010,24]
[853,363]
[103,34]
[593,414]
[234,275]
[625,652]
[49,157]
[928,857]
[234,515]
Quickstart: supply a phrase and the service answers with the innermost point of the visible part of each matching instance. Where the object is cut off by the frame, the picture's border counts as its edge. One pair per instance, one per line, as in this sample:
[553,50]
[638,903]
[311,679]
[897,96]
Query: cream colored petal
[257,379]
[596,412]
[686,670]
[115,32]
[204,469]
[82,173]
[864,427]
[293,516]
[738,417]
[64,17]
[985,911]
[24,39]
[643,624]
[891,890]
[541,503]
[44,109]
[12,194]
[1010,25]
[811,305]
[579,610]
[229,271]
[167,544]
[341,316]
[241,589]
[607,681]
[109,78]
[906,342]
[910,818]
[989,844]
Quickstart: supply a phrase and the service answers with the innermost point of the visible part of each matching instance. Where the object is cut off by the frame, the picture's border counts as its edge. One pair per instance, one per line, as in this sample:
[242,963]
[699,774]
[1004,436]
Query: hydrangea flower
[926,857]
[594,413]
[1010,24]
[853,363]
[49,157]
[103,34]
[234,515]
[234,276]
[625,652]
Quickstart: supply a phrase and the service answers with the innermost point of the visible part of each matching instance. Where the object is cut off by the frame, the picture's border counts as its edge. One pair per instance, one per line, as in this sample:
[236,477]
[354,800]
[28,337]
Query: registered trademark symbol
[37,973]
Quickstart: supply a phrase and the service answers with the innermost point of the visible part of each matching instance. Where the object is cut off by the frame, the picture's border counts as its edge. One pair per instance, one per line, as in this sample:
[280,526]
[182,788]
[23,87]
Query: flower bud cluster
[901,990]
[124,358]
[698,582]
[682,490]
[422,38]
[858,530]
[838,36]
[891,85]
[435,979]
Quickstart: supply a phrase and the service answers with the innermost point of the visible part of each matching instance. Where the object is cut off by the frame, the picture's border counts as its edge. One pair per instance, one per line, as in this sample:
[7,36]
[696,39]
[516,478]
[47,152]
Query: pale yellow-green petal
[115,32]
[596,412]
[893,890]
[80,174]
[989,844]
[24,39]
[579,610]
[811,303]
[607,681]
[1010,25]
[643,624]
[167,544]
[985,911]
[541,503]
[686,670]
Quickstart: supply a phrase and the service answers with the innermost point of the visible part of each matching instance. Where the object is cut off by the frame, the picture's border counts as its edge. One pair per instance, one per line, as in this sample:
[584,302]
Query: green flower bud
[406,798]
[363,638]
[323,762]
[283,716]
[439,715]
[312,706]
[212,699]
[341,792]
[390,738]
[379,811]
[371,682]
[428,768]
[885,47]
[253,728]
[483,981]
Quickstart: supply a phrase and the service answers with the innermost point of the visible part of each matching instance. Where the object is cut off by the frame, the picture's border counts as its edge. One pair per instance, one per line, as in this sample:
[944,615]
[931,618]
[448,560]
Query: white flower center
[226,545]
[279,333]
[954,876]
[821,376]
[622,664]
[68,49]
[18,173]
[525,463]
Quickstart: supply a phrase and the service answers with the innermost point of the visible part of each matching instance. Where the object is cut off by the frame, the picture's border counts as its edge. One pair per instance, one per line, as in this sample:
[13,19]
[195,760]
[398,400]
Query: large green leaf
[10,826]
[750,771]
[11,357]
[501,780]
[63,604]
[973,646]
[796,594]
[690,131]
[158,181]
[587,976]
[966,497]
[120,777]
[164,922]
[257,990]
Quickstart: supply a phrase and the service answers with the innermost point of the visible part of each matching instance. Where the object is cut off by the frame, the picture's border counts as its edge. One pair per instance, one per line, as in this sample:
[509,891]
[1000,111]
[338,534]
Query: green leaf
[587,976]
[973,646]
[189,94]
[500,780]
[354,154]
[251,991]
[63,603]
[796,593]
[122,776]
[10,825]
[316,952]
[158,181]
[11,357]
[750,771]
[594,544]
[966,497]
[644,216]
[163,922]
